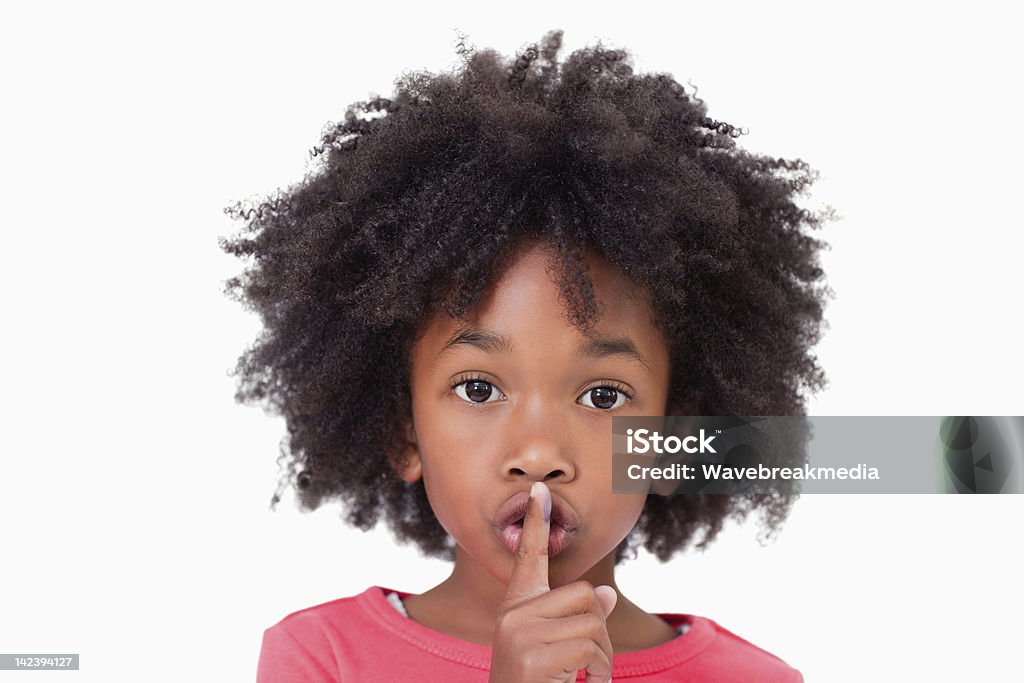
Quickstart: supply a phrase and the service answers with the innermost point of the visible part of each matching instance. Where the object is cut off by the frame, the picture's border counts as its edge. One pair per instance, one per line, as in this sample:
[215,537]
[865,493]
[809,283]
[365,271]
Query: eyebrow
[596,346]
[490,342]
[601,347]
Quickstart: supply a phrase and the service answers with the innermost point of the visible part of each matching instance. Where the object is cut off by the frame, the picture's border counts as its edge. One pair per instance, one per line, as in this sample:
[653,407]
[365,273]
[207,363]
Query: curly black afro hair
[418,198]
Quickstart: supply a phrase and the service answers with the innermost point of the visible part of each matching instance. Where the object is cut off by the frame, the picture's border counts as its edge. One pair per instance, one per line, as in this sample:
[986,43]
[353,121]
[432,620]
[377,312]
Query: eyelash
[617,386]
[465,379]
[611,384]
[608,384]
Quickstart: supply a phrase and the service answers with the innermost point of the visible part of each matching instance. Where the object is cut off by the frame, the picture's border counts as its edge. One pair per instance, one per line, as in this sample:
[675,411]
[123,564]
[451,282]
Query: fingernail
[547,508]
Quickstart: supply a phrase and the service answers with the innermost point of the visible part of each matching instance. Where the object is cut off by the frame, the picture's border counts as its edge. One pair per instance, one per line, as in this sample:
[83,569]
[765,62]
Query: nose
[539,446]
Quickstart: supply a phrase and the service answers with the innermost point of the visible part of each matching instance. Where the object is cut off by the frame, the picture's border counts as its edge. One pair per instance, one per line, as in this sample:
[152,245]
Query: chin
[566,569]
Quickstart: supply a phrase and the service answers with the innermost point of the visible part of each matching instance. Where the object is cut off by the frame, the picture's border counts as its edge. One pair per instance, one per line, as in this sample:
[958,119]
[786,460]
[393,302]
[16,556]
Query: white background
[134,492]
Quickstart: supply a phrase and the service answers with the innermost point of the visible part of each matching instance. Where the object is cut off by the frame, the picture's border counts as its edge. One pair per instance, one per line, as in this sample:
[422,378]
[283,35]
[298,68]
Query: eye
[477,391]
[604,398]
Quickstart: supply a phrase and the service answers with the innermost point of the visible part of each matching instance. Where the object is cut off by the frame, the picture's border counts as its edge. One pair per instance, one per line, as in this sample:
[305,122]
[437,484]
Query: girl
[485,269]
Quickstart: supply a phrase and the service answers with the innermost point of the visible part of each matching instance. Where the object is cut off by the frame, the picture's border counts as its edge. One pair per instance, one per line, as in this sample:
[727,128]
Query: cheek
[454,447]
[449,433]
[619,512]
[625,510]
[458,464]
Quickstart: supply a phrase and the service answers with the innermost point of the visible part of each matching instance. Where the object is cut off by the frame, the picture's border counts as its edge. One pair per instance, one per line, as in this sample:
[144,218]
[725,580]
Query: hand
[543,634]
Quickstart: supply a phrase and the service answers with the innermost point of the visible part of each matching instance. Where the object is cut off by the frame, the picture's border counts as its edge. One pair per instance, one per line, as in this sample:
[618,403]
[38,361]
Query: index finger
[530,572]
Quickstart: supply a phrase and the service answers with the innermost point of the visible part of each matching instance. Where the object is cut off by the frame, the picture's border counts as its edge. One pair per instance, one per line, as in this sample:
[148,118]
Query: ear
[409,466]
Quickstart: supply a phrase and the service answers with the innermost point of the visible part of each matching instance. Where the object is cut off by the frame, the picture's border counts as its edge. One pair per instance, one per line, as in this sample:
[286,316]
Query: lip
[564,522]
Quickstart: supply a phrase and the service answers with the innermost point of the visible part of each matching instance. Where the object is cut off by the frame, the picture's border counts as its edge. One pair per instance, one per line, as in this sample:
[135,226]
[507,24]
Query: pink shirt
[364,638]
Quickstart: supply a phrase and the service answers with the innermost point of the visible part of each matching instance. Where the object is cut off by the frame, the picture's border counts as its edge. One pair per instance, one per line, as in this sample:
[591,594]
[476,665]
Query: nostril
[520,473]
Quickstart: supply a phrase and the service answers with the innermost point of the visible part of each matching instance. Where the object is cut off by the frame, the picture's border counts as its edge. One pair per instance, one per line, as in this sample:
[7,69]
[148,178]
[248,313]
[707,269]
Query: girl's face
[513,393]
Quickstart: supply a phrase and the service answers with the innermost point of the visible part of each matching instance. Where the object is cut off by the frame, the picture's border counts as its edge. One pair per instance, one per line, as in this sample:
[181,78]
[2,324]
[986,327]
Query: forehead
[525,304]
[534,274]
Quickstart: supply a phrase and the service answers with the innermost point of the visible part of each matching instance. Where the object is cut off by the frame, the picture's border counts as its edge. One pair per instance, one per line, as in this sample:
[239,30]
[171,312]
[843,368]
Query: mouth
[508,522]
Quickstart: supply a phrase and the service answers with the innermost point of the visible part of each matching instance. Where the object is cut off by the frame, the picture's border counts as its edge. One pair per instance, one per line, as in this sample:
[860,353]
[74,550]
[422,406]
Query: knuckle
[588,651]
[593,624]
[585,597]
[506,620]
[508,613]
[524,552]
